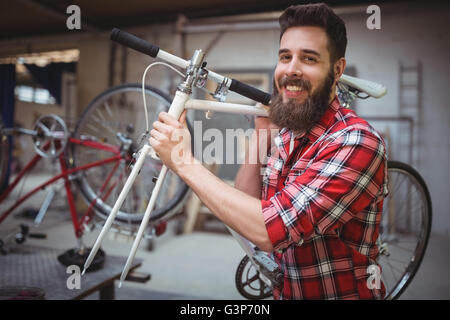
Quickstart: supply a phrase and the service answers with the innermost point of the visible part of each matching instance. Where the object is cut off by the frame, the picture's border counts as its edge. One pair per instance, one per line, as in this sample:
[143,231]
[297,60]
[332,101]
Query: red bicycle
[97,159]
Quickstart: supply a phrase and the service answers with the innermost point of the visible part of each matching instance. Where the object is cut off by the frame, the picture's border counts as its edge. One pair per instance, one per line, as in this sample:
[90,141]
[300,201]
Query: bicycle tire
[129,98]
[397,230]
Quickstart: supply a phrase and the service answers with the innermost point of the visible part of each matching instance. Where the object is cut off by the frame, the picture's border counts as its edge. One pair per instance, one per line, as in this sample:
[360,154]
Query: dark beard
[301,116]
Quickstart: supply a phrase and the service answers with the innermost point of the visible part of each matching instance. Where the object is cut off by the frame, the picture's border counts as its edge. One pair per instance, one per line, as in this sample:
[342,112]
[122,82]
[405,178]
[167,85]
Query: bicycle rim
[120,110]
[404,229]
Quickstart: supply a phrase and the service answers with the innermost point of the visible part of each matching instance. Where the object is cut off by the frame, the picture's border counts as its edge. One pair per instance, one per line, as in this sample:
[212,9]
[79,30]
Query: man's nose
[294,69]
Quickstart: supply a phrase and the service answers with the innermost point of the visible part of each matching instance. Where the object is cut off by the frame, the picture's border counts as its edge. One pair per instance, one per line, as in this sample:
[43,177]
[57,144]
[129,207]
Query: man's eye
[285,58]
[310,59]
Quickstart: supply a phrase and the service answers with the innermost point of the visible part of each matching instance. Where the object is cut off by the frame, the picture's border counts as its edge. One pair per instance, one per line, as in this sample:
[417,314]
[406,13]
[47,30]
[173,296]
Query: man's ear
[339,67]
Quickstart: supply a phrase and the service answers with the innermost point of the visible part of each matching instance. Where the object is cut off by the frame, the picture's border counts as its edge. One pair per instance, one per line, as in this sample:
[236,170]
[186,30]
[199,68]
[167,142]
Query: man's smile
[294,92]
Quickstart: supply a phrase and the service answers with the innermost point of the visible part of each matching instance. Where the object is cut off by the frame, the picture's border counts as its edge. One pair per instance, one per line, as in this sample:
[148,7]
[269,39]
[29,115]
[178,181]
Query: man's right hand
[266,131]
[249,178]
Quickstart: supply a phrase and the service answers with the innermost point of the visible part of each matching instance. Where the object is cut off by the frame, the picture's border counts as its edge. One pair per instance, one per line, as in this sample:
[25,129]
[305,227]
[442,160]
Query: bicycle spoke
[100,123]
[94,128]
[108,109]
[398,183]
[100,114]
[391,268]
[398,260]
[406,241]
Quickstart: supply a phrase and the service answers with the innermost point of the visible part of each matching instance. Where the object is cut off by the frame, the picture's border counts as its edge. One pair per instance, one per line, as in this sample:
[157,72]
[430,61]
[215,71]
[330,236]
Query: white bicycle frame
[181,102]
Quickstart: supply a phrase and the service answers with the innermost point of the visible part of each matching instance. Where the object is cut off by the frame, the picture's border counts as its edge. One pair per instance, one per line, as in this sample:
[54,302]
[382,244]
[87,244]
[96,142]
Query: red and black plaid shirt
[322,205]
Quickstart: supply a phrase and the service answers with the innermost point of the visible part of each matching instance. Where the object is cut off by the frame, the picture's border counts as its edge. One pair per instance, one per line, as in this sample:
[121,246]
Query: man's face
[303,54]
[303,77]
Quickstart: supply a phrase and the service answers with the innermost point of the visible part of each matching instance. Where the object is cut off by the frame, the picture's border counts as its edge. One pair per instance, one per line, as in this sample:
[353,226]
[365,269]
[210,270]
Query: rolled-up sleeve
[344,177]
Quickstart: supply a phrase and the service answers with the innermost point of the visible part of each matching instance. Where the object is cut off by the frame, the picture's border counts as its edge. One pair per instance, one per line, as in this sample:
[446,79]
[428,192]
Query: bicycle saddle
[373,89]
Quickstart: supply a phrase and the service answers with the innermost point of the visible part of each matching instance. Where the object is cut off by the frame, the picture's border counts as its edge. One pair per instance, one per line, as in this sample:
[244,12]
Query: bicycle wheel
[404,229]
[4,157]
[116,117]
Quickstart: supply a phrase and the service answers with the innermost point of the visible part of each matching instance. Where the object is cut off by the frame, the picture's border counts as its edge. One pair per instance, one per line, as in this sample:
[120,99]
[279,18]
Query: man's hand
[265,131]
[171,140]
[249,176]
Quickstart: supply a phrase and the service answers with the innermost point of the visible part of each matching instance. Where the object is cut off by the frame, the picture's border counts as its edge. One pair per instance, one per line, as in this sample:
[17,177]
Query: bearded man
[317,206]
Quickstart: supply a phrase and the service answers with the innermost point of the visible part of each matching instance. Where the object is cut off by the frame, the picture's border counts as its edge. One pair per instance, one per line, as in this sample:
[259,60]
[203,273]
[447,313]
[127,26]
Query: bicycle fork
[175,110]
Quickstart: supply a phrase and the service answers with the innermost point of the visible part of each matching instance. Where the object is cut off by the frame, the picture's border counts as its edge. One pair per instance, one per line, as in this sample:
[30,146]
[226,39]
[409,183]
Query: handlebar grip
[250,92]
[134,42]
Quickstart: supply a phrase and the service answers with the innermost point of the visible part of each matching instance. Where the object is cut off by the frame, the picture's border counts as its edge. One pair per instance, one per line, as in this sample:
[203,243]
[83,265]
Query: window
[24,93]
[33,94]
[27,88]
[43,96]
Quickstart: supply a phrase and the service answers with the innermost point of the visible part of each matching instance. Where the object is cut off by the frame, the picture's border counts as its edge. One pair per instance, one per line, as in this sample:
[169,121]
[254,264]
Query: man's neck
[332,94]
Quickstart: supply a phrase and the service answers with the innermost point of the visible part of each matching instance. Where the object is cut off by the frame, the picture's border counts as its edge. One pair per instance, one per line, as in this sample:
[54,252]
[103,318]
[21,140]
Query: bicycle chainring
[51,136]
[249,283]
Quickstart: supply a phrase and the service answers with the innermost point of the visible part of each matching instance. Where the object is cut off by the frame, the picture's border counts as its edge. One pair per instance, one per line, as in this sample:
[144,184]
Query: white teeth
[294,88]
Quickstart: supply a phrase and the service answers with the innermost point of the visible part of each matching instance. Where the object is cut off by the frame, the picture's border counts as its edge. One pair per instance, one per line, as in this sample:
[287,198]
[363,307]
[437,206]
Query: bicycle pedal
[269,267]
[28,213]
[138,277]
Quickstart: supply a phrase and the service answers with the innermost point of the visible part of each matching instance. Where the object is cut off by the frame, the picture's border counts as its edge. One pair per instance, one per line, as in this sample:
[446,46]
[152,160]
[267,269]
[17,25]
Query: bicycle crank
[250,282]
[51,136]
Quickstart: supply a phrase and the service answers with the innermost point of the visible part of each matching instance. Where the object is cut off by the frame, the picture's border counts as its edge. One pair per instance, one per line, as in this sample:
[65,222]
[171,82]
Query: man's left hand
[171,140]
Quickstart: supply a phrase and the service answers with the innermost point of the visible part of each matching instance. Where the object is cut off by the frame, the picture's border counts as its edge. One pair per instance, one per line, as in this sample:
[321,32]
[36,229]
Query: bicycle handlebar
[250,92]
[143,46]
[134,42]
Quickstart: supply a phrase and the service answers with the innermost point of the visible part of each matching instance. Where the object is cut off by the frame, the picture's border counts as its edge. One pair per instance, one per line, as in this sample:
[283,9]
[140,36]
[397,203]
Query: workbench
[38,267]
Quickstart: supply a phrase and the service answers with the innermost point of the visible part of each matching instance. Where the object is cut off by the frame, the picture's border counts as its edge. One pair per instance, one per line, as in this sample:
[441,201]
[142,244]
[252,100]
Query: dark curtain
[50,76]
[7,85]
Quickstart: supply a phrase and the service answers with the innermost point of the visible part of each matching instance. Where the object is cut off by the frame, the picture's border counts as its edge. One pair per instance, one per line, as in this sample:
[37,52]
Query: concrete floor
[202,265]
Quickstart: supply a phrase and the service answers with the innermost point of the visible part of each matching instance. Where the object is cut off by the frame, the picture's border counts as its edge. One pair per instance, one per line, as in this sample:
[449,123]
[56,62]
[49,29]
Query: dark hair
[318,15]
